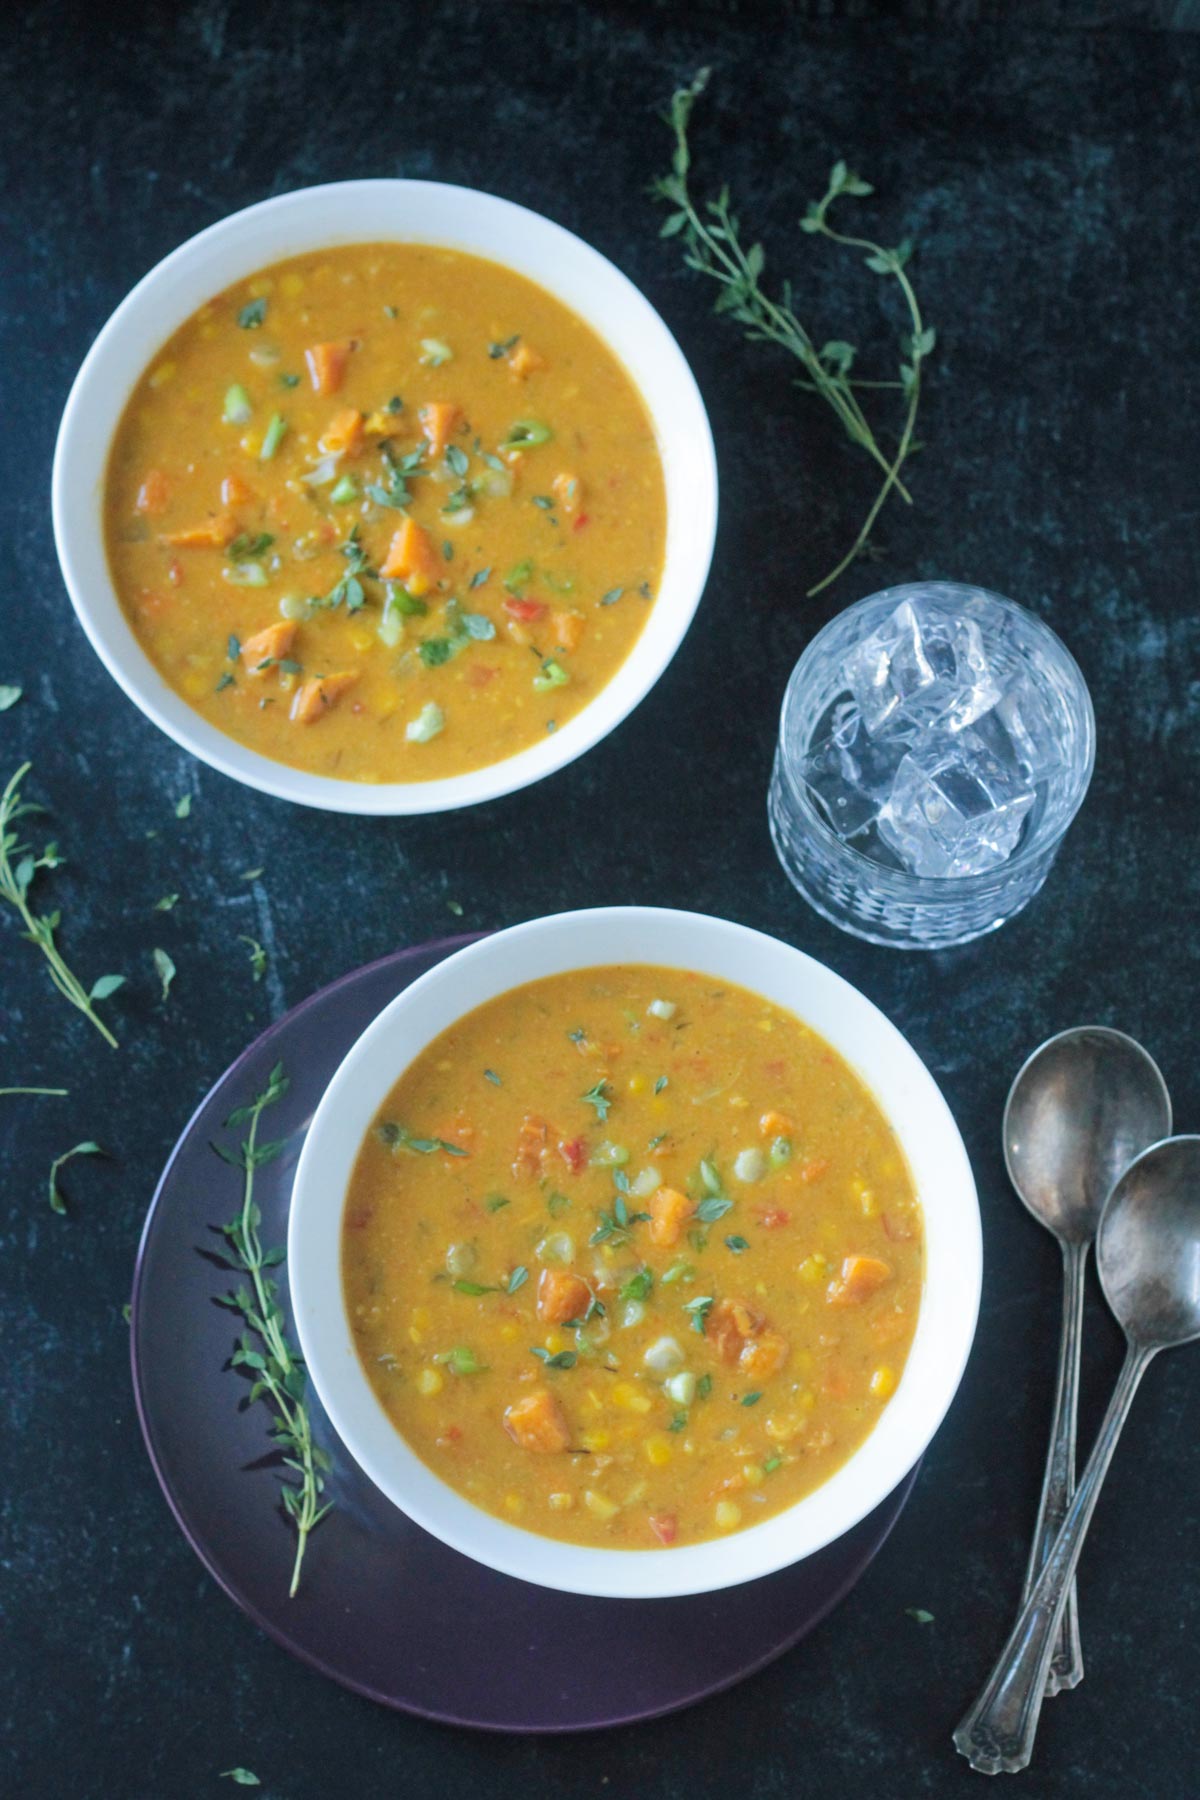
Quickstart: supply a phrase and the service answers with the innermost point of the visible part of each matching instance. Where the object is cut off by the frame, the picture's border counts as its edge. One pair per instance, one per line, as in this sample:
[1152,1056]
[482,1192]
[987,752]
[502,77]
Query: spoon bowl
[1148,1246]
[1081,1108]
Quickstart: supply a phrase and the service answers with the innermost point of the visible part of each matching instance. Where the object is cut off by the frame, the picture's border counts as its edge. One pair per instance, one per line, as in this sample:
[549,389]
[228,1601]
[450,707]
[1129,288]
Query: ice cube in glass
[850,772]
[955,807]
[921,666]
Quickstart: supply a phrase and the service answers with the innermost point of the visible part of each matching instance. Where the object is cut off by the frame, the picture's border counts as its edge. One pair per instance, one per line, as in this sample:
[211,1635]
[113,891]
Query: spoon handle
[1066,1664]
[997,1732]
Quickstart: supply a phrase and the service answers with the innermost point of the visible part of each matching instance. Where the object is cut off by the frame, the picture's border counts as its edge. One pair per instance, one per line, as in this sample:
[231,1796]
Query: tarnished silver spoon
[1148,1255]
[1079,1111]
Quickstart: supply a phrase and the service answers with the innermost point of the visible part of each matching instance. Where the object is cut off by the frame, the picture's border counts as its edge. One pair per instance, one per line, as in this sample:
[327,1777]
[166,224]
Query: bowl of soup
[385,496]
[634,1253]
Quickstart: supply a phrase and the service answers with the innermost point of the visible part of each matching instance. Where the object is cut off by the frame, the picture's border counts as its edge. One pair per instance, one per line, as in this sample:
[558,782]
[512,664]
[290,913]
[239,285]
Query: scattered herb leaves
[258,956]
[918,1614]
[491,1075]
[752,1399]
[252,314]
[597,1096]
[518,1278]
[563,1359]
[58,1202]
[164,968]
[398,1137]
[183,807]
[9,696]
[18,866]
[699,1309]
[166,903]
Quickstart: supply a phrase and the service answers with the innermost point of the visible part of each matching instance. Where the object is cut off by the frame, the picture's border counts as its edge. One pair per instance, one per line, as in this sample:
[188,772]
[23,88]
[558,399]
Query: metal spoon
[1148,1254]
[1079,1111]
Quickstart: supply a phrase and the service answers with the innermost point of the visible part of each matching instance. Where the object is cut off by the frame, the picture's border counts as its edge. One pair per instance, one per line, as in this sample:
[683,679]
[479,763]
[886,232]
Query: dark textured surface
[1045,157]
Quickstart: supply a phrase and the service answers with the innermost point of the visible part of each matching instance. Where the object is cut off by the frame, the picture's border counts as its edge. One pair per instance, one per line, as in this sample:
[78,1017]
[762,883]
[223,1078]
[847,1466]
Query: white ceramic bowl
[873,1046]
[376,211]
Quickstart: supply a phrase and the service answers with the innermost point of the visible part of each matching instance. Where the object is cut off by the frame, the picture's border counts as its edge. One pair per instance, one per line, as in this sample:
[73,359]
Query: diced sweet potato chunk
[669,1212]
[314,698]
[531,1146]
[214,534]
[568,629]
[326,366]
[344,432]
[438,420]
[411,558]
[562,1296]
[525,361]
[235,491]
[536,1422]
[764,1355]
[268,645]
[730,1324]
[154,493]
[775,1124]
[861,1277]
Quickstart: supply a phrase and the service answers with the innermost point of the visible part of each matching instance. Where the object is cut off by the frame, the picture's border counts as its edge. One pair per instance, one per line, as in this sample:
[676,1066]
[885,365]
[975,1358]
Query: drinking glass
[888,905]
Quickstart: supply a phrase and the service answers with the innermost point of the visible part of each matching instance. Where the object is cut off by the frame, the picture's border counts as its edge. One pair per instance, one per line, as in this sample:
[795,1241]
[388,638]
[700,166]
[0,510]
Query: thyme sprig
[277,1368]
[18,866]
[714,247]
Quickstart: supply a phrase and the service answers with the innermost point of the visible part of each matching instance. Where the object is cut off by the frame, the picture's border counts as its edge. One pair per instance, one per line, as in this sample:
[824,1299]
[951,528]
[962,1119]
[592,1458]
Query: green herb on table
[58,1202]
[9,696]
[277,1369]
[242,1777]
[59,1093]
[455,907]
[258,956]
[714,247]
[250,874]
[919,1615]
[164,968]
[166,903]
[18,866]
[183,807]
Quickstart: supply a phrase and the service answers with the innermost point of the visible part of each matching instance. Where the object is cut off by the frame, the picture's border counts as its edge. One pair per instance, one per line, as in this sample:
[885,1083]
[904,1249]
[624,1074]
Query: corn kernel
[600,1504]
[738,1101]
[869,1204]
[421,1318]
[595,1440]
[430,1381]
[291,284]
[251,443]
[883,1382]
[813,1269]
[509,1332]
[196,684]
[637,1084]
[555,1341]
[780,1430]
[362,640]
[808,1399]
[626,1396]
[159,377]
[560,1502]
[514,1504]
[727,1514]
[658,1450]
[753,1474]
[208,331]
[260,286]
[416,1335]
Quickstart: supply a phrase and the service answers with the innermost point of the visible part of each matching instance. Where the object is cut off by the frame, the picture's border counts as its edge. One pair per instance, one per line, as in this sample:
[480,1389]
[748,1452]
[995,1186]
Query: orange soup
[386,513]
[632,1257]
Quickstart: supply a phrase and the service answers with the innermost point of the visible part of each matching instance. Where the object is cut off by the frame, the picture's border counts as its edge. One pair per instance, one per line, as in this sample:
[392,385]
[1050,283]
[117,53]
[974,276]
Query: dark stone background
[1045,157]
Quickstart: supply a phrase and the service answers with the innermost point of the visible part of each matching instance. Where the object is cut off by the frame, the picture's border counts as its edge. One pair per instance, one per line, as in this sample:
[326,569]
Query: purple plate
[383,1607]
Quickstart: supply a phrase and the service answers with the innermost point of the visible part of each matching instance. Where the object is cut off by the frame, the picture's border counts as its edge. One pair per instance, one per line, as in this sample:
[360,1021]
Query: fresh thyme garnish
[503,347]
[714,247]
[252,315]
[277,1369]
[615,1226]
[563,1359]
[183,807]
[398,471]
[60,1093]
[18,866]
[241,1777]
[398,1137]
[58,1203]
[598,1097]
[258,956]
[166,903]
[9,695]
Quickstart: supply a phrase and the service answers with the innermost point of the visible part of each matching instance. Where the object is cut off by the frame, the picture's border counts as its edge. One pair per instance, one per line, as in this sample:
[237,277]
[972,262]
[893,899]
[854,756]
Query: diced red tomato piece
[772,1217]
[574,1153]
[525,610]
[665,1527]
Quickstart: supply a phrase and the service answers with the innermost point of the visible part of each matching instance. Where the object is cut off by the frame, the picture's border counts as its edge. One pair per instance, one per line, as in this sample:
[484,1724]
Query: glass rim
[942,887]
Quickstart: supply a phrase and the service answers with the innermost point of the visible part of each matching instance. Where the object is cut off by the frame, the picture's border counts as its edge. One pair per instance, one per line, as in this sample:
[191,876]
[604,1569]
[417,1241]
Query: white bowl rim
[953,1246]
[78,529]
